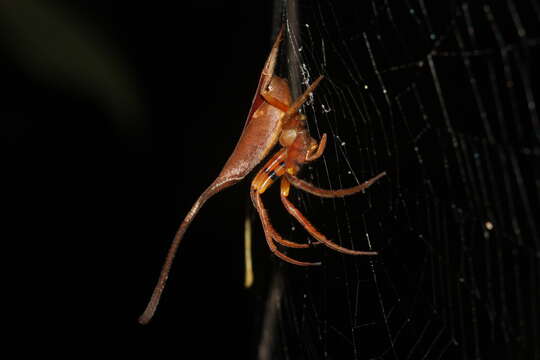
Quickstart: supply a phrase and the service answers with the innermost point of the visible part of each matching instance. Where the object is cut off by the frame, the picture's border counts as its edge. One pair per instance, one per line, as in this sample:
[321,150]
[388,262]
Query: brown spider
[273,117]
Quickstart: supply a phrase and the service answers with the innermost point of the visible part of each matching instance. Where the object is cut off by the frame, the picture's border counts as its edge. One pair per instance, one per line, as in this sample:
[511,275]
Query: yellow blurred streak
[248,279]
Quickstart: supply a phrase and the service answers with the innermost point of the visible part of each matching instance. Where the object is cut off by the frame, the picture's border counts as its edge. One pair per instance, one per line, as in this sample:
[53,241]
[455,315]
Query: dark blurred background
[115,117]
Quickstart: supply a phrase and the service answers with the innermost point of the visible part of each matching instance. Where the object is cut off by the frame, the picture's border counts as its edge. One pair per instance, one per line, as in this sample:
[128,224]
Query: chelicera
[273,118]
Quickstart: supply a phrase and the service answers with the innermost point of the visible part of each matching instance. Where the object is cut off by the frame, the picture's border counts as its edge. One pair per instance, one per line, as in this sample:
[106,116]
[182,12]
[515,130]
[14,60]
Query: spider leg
[312,189]
[269,232]
[310,228]
[279,239]
[268,74]
[293,109]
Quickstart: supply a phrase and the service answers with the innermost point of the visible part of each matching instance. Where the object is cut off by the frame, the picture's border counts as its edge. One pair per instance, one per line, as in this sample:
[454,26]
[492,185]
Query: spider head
[293,128]
[287,137]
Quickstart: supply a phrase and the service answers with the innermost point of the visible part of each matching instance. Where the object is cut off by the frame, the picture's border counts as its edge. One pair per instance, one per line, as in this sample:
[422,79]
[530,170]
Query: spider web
[442,97]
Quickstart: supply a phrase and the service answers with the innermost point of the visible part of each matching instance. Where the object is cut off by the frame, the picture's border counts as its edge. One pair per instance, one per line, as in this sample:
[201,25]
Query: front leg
[293,109]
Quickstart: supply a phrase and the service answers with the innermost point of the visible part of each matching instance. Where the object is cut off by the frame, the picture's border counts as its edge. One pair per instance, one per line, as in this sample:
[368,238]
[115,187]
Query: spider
[273,117]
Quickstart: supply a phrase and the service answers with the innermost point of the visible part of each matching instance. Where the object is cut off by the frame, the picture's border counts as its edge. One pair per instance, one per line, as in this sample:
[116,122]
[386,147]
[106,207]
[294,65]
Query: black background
[93,205]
